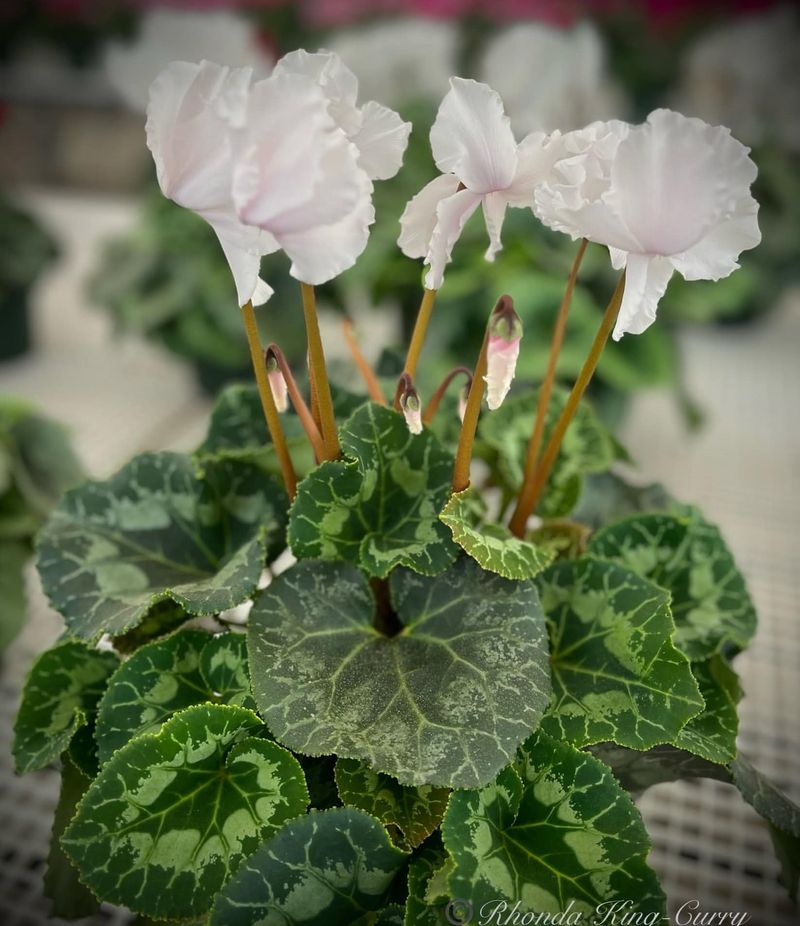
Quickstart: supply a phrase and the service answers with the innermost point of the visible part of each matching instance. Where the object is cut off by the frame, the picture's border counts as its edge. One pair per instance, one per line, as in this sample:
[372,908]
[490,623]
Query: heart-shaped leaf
[687,556]
[492,546]
[409,814]
[157,531]
[171,815]
[616,674]
[558,831]
[60,695]
[637,771]
[332,866]
[164,677]
[587,448]
[422,910]
[444,702]
[379,508]
[712,733]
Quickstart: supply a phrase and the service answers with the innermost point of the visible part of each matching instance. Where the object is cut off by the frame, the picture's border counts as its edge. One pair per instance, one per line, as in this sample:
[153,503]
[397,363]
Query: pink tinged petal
[472,137]
[646,279]
[412,411]
[381,141]
[419,217]
[534,159]
[674,178]
[716,255]
[277,385]
[451,217]
[331,74]
[463,395]
[322,253]
[501,364]
[494,211]
[285,154]
[244,263]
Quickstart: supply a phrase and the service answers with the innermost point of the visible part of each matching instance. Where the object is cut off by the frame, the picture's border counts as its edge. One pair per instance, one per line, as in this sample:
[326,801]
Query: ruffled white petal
[243,247]
[321,253]
[451,217]
[338,83]
[381,141]
[494,211]
[535,156]
[716,255]
[419,217]
[472,137]
[646,280]
[501,364]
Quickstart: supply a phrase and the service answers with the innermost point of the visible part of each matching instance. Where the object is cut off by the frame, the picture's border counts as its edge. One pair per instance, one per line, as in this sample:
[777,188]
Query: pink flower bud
[277,384]
[410,404]
[505,333]
[463,395]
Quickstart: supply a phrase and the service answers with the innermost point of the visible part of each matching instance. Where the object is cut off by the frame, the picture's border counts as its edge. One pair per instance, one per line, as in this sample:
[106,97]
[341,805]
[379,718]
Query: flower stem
[366,371]
[470,423]
[420,328]
[533,484]
[319,373]
[546,389]
[300,407]
[433,406]
[271,415]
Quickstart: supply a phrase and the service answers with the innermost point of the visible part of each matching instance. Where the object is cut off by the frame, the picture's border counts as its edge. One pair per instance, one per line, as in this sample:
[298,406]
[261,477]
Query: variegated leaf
[330,867]
[555,832]
[172,815]
[422,910]
[61,694]
[492,546]
[687,556]
[157,531]
[409,814]
[616,674]
[446,701]
[379,507]
[711,734]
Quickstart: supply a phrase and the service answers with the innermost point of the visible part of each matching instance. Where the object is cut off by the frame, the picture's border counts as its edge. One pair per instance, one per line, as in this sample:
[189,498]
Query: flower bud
[463,395]
[505,333]
[410,404]
[277,383]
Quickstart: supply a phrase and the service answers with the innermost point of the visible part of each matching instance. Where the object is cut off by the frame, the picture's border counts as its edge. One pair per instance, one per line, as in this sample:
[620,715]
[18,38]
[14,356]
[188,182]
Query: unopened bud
[410,404]
[277,383]
[505,333]
[463,395]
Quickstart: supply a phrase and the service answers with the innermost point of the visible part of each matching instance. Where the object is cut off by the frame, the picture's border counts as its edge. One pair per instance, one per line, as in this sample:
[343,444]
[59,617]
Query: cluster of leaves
[25,250]
[37,465]
[421,708]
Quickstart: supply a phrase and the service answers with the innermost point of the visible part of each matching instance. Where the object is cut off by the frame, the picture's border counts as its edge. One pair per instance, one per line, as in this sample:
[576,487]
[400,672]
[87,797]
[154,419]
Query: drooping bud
[410,405]
[463,395]
[277,383]
[505,333]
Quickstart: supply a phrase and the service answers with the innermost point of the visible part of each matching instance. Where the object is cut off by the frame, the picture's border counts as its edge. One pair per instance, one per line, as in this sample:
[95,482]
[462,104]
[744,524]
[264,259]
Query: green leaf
[558,831]
[610,496]
[13,603]
[379,508]
[189,667]
[330,867]
[711,734]
[637,771]
[492,546]
[687,556]
[409,814]
[60,696]
[781,814]
[424,866]
[587,448]
[616,674]
[157,531]
[445,702]
[171,815]
[390,916]
[71,900]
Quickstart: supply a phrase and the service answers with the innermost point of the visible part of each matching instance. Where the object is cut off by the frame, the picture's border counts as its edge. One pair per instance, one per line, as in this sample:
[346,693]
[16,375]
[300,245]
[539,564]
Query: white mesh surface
[742,469]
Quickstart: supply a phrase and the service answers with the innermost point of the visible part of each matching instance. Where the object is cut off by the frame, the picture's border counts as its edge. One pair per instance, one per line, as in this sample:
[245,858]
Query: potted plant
[439,711]
[26,250]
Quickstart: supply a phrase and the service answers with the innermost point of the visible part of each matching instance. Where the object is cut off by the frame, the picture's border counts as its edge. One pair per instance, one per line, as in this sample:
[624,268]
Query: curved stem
[316,358]
[366,371]
[300,407]
[433,406]
[271,415]
[420,328]
[546,389]
[470,423]
[532,489]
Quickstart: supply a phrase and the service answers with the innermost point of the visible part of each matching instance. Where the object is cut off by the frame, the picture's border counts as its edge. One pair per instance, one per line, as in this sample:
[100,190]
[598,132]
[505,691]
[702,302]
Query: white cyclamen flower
[552,78]
[379,133]
[481,164]
[189,114]
[671,194]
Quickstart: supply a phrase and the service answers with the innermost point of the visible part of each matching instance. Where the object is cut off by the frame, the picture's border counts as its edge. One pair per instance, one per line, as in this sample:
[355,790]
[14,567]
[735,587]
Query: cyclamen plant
[434,711]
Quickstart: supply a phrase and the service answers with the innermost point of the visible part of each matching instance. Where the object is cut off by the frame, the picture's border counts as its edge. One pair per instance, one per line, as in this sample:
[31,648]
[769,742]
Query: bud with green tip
[505,333]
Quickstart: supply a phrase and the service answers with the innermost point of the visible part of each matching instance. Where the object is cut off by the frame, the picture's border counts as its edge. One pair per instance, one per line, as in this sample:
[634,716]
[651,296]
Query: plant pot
[15,330]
